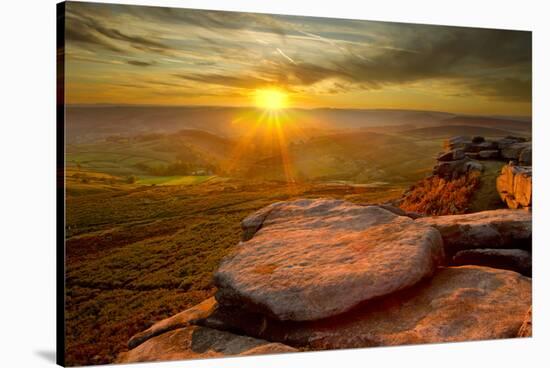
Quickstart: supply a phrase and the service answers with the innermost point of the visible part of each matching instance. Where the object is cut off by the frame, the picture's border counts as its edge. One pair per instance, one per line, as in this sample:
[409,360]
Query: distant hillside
[205,142]
[85,124]
[489,122]
[376,118]
[452,130]
[358,157]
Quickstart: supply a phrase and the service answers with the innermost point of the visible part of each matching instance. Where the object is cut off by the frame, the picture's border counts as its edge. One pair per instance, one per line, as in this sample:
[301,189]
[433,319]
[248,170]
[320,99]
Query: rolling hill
[452,130]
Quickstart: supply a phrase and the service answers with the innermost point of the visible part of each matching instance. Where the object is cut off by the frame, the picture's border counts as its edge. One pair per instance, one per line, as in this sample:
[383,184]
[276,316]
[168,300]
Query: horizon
[105,104]
[140,55]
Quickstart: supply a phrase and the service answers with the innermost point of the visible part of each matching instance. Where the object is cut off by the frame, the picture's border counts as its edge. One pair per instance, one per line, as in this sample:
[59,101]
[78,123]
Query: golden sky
[121,54]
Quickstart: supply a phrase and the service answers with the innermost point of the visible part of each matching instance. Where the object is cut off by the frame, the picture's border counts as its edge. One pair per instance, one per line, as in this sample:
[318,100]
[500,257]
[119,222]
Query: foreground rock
[518,260]
[506,228]
[458,304]
[179,320]
[194,342]
[313,259]
[514,185]
[526,329]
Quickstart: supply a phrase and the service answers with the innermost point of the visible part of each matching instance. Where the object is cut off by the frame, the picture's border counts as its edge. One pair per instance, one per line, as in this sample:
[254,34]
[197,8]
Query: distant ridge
[451,130]
[489,122]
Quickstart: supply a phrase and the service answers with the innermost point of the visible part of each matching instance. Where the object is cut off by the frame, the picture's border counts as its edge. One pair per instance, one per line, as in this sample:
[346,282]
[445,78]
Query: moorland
[155,195]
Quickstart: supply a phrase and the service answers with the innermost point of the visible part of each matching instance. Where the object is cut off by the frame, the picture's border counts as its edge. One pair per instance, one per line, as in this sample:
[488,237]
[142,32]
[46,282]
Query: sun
[271,99]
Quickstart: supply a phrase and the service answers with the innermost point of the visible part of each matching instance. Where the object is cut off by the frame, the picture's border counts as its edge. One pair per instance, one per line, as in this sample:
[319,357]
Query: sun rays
[268,132]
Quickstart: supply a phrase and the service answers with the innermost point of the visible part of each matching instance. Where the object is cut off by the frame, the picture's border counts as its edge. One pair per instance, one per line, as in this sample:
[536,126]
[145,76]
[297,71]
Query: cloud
[235,81]
[140,63]
[87,29]
[243,51]
[212,20]
[488,62]
[76,33]
[285,55]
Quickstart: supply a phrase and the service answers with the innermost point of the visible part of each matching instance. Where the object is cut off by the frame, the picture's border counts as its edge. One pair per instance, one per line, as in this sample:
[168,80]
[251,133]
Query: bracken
[437,196]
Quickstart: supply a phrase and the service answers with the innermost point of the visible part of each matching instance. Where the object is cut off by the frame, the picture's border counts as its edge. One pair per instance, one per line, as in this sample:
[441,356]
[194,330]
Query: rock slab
[313,259]
[195,342]
[458,304]
[179,320]
[518,260]
[505,228]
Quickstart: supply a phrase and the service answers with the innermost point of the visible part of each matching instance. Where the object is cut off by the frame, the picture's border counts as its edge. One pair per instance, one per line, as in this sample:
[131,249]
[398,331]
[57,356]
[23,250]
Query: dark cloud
[501,89]
[235,81]
[140,63]
[87,29]
[213,20]
[491,63]
[76,33]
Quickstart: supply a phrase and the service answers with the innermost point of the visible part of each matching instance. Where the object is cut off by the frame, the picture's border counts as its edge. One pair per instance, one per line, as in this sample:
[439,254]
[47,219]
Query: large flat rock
[506,228]
[457,304]
[312,259]
[195,342]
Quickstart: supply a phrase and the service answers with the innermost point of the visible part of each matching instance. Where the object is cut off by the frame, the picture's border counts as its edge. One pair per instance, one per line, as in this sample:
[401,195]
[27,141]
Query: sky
[121,54]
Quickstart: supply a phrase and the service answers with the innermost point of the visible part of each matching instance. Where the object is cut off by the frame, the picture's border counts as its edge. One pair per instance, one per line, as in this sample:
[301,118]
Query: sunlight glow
[268,132]
[271,99]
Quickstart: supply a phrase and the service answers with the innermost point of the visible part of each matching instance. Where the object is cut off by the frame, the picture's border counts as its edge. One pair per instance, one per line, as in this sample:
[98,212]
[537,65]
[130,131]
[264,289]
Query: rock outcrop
[193,342]
[455,168]
[514,185]
[463,154]
[457,304]
[329,274]
[526,157]
[504,228]
[514,150]
[313,259]
[518,260]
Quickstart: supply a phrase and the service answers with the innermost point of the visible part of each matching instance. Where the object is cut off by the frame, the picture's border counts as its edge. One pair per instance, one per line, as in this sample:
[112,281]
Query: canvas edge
[60,185]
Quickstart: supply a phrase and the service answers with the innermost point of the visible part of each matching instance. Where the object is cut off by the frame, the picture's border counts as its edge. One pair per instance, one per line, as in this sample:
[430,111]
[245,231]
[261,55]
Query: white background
[27,180]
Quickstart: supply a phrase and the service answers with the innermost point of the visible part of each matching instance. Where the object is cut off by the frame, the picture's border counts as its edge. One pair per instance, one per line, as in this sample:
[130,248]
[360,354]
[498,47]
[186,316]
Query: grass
[486,197]
[139,254]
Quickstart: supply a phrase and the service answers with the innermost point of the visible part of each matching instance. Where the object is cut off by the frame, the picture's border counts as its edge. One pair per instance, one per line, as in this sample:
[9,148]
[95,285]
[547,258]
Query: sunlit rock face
[313,259]
[514,185]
